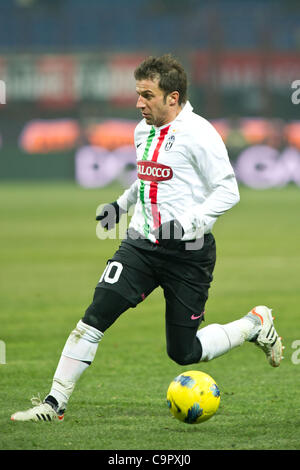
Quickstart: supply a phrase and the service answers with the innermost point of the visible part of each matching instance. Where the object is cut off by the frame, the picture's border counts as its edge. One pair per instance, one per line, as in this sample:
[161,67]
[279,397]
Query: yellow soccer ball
[193,397]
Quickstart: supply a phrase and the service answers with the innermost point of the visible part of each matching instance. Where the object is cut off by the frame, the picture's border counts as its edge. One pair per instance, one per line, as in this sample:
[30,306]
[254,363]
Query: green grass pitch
[51,260]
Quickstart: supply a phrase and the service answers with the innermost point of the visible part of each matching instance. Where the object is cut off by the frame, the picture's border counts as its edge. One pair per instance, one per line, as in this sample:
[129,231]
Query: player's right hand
[110,215]
[169,234]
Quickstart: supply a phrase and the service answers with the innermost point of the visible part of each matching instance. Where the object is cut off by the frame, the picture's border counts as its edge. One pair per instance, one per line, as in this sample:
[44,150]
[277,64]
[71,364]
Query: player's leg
[257,327]
[188,344]
[120,287]
[186,277]
[82,344]
[183,346]
[190,285]
[217,339]
[78,353]
[184,313]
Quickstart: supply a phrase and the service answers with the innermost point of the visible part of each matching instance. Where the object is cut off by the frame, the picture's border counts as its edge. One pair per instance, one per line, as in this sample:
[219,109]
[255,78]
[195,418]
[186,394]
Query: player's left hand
[169,234]
[110,215]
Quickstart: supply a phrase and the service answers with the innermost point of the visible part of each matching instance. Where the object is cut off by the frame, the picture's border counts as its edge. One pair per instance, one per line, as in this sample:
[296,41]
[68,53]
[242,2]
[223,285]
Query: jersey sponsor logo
[152,171]
[169,143]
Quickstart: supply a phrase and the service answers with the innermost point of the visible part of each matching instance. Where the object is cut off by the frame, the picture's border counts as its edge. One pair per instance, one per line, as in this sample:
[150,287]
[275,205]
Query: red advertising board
[240,70]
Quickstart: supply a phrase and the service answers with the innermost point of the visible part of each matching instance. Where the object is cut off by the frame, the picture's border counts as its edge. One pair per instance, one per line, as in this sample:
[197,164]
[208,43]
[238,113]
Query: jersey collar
[187,108]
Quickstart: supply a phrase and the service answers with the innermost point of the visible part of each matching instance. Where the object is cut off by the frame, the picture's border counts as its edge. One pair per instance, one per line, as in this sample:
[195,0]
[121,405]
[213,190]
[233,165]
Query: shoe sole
[40,417]
[59,419]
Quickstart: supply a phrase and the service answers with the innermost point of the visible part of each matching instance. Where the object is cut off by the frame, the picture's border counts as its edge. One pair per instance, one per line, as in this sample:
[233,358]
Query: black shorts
[139,266]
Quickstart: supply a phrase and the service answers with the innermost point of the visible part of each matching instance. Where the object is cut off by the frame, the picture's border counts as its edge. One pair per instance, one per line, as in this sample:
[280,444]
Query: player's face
[156,108]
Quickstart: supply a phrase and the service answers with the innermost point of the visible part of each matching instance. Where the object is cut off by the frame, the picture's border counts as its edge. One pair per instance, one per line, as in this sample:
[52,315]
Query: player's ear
[173,98]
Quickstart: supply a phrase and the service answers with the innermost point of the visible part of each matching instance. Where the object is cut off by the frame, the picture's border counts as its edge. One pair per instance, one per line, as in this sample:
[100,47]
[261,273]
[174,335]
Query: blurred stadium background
[67,114]
[66,67]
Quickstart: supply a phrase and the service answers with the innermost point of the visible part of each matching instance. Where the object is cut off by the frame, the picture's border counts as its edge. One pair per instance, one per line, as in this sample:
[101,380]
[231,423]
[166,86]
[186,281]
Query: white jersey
[184,173]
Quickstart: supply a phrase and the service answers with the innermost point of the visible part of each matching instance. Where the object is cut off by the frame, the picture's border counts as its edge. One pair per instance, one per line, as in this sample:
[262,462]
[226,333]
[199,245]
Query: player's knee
[98,315]
[184,349]
[106,307]
[183,359]
[91,316]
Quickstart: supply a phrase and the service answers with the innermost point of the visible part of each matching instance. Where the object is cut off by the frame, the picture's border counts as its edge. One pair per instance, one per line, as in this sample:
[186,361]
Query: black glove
[169,234]
[110,215]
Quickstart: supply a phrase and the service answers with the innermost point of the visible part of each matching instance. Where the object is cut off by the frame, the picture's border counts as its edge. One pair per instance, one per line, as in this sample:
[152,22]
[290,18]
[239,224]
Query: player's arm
[110,214]
[129,197]
[215,168]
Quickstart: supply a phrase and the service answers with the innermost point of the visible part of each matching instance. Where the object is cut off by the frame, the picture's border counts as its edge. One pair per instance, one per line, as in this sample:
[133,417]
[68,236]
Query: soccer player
[185,182]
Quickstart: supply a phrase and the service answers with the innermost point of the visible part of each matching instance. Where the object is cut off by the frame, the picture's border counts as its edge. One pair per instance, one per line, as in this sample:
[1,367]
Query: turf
[51,260]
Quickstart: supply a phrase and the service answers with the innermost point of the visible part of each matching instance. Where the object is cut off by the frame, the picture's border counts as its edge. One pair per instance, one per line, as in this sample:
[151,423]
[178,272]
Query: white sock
[66,375]
[218,339]
[78,353]
[83,342]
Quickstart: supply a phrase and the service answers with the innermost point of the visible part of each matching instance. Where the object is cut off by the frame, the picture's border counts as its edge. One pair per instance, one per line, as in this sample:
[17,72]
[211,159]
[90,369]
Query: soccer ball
[193,397]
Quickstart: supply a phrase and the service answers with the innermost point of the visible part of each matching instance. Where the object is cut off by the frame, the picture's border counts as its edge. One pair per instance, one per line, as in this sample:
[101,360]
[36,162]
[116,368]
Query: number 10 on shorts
[112,272]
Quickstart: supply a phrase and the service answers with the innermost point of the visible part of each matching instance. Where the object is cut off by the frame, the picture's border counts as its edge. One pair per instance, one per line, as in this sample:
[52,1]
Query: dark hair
[168,71]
